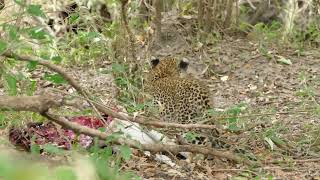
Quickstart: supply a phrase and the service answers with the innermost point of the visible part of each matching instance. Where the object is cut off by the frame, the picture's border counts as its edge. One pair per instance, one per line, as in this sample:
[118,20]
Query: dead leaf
[283,60]
[224,78]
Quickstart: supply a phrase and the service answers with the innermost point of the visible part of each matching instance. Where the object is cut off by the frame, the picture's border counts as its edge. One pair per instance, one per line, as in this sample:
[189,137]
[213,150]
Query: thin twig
[234,170]
[294,161]
[258,115]
[306,160]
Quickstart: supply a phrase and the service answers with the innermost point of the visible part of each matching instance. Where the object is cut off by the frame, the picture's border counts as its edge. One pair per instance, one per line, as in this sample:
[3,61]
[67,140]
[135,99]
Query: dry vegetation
[66,63]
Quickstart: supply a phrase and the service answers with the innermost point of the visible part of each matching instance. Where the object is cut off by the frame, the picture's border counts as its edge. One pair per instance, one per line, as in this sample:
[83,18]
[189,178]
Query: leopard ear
[154,62]
[183,65]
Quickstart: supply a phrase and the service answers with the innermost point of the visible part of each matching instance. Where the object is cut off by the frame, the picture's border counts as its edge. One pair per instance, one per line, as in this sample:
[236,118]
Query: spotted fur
[181,99]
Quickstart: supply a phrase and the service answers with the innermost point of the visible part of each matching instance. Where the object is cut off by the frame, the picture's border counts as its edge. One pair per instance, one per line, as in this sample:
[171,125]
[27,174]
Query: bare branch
[38,104]
[147,147]
[41,104]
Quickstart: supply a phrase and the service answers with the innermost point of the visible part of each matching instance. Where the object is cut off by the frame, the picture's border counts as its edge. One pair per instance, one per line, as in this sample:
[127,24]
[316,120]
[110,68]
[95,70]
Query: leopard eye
[154,62]
[183,65]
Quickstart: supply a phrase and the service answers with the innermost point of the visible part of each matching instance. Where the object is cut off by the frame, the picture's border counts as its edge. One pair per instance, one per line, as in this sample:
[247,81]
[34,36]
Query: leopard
[180,99]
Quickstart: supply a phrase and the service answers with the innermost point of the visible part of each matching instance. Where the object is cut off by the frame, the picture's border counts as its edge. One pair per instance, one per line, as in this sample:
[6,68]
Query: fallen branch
[147,147]
[45,102]
[38,104]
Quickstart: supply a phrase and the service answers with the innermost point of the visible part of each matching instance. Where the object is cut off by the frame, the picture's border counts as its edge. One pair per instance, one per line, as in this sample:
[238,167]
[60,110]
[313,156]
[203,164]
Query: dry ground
[277,97]
[278,100]
[278,125]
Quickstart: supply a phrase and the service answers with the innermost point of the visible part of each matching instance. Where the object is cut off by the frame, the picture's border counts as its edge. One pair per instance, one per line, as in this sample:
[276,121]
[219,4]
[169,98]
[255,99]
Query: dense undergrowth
[108,51]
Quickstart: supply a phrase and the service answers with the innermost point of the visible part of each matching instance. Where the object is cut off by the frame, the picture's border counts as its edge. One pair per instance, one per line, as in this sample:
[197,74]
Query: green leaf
[125,152]
[190,136]
[2,117]
[35,10]
[55,78]
[13,32]
[52,149]
[12,84]
[35,148]
[233,127]
[2,120]
[102,129]
[32,65]
[270,142]
[232,120]
[37,33]
[92,35]
[44,55]
[107,152]
[20,2]
[270,177]
[113,136]
[118,68]
[74,18]
[140,106]
[56,59]
[122,82]
[3,46]
[277,140]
